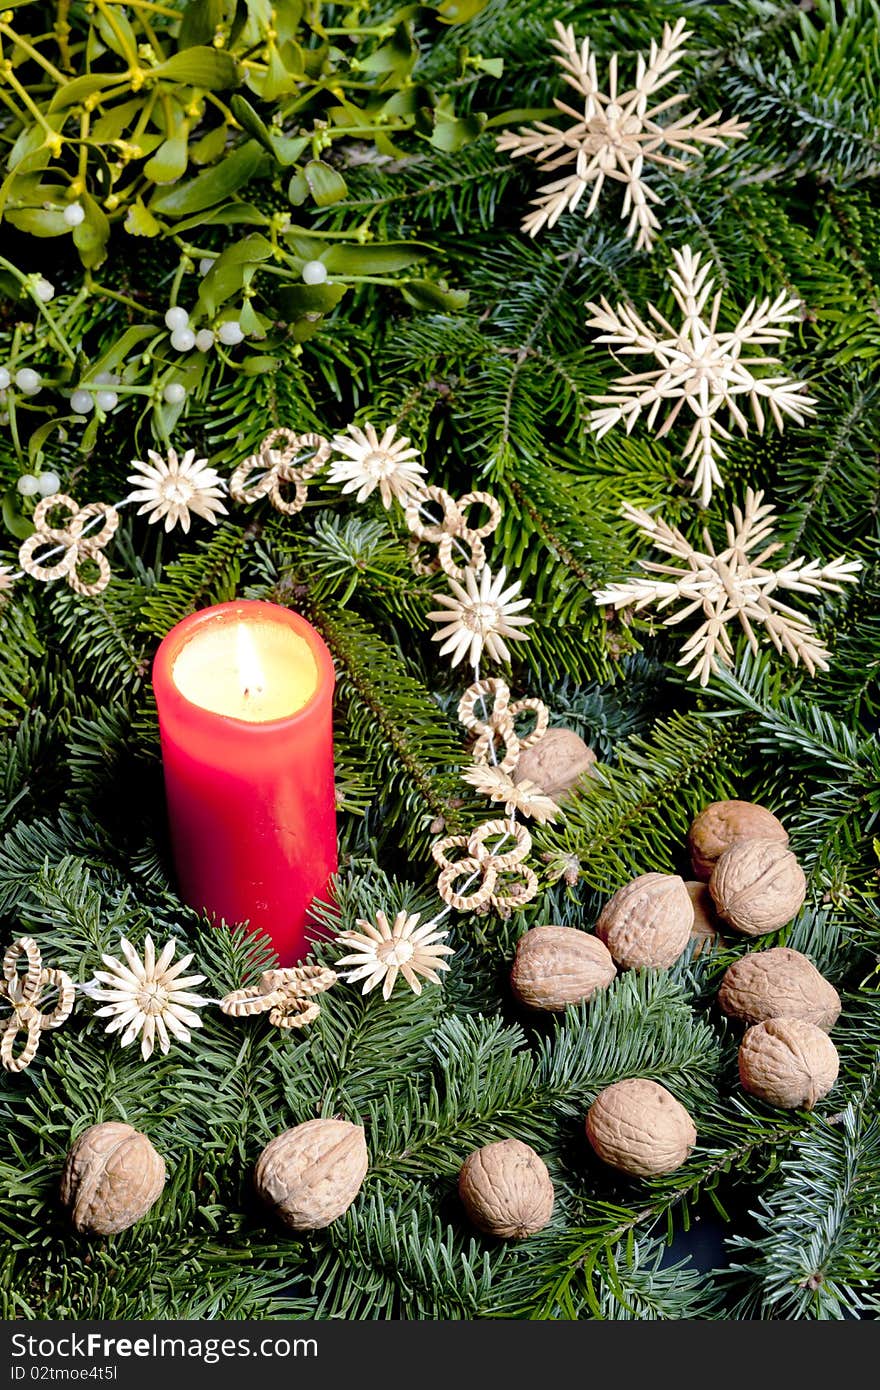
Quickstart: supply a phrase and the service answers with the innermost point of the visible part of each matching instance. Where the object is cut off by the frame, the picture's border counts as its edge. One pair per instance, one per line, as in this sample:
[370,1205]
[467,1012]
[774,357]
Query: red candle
[244,695]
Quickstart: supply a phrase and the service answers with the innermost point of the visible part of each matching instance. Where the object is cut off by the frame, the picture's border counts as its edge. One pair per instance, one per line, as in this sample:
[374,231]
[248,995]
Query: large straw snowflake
[615,134]
[734,584]
[698,367]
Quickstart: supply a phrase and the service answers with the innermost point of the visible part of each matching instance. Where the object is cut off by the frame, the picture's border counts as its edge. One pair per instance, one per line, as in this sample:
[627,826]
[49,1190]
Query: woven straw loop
[431,531]
[465,869]
[59,502]
[95,540]
[241,488]
[476,499]
[276,496]
[514,888]
[446,558]
[23,992]
[481,693]
[29,986]
[488,745]
[481,848]
[296,1013]
[13,1027]
[542,718]
[440,851]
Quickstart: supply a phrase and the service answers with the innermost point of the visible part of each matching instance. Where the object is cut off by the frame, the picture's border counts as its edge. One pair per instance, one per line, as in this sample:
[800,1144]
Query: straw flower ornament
[149,998]
[384,950]
[172,488]
[369,462]
[479,616]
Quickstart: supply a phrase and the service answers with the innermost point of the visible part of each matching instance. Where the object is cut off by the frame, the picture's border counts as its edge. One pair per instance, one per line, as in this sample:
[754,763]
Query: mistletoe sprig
[146,124]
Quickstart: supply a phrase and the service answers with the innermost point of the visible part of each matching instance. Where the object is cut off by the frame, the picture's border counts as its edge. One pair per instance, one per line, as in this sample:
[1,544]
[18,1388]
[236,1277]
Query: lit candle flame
[249,669]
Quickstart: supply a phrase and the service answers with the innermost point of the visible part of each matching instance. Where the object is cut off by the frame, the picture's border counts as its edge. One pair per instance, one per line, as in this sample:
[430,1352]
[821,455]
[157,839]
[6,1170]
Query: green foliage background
[363,135]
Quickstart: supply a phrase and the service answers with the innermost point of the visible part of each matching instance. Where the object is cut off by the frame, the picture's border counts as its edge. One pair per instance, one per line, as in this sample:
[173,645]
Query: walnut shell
[112,1176]
[647,923]
[312,1173]
[556,762]
[757,886]
[639,1127]
[721,824]
[556,966]
[706,929]
[779,983]
[788,1062]
[506,1190]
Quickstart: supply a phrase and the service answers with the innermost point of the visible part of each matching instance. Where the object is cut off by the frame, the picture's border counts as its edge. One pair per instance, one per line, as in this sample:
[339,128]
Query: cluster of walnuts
[747,878]
[786,1057]
[635,1125]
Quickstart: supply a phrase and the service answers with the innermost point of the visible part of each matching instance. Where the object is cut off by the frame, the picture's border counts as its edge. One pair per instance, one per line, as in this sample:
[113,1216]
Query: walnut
[721,824]
[556,966]
[639,1127]
[779,983]
[648,922]
[757,886]
[788,1062]
[706,930]
[506,1190]
[112,1176]
[556,762]
[312,1173]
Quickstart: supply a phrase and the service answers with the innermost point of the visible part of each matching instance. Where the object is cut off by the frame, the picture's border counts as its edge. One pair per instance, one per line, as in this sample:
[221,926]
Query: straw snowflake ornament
[731,585]
[698,369]
[615,134]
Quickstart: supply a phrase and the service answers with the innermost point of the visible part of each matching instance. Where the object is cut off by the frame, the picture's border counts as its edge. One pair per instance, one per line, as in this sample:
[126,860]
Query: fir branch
[208,574]
[814,1253]
[623,819]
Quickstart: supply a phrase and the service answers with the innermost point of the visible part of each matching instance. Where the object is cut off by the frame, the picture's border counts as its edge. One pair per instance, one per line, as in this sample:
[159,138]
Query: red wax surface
[251,806]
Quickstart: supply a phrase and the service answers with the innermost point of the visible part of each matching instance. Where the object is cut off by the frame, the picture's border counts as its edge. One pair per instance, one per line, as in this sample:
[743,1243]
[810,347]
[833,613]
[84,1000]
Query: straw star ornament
[615,134]
[698,369]
[524,796]
[734,584]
